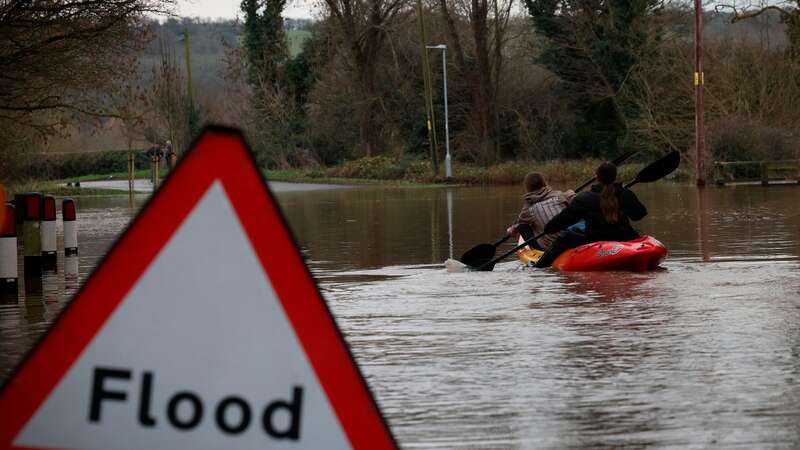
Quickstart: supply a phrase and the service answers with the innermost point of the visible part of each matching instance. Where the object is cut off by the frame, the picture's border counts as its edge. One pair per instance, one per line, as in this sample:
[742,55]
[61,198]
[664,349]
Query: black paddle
[481,253]
[653,172]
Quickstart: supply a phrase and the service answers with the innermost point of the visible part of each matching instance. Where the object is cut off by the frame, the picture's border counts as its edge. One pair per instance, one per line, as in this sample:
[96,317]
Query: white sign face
[201,329]
[137,383]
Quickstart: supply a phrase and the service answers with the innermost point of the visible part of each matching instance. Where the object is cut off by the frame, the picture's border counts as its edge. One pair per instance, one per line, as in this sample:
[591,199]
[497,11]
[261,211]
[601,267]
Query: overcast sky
[229,9]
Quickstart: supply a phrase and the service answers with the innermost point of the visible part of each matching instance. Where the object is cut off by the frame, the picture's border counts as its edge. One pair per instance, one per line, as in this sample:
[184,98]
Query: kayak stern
[638,255]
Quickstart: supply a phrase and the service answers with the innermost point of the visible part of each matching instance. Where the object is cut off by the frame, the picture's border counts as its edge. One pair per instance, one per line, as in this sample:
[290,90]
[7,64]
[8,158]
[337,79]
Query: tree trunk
[369,110]
[363,24]
[458,51]
[483,85]
[498,60]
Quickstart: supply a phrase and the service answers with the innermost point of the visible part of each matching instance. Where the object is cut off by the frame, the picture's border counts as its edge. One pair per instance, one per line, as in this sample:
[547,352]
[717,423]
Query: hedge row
[559,172]
[61,166]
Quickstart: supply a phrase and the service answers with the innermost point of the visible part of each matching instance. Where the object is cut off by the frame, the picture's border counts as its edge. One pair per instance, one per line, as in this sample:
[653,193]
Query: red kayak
[638,255]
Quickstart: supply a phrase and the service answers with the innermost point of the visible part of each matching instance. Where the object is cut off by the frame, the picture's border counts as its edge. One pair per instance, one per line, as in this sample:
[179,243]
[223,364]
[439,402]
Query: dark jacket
[586,206]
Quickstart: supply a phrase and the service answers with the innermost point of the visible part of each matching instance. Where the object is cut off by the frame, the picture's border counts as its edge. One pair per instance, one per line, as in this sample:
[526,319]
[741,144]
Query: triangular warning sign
[202,328]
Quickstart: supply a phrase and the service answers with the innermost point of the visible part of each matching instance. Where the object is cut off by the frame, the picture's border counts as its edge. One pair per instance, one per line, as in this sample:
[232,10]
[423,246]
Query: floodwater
[702,354]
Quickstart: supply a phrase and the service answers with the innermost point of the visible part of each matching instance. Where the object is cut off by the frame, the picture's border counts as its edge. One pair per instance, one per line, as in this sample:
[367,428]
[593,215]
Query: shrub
[734,139]
[59,166]
[373,167]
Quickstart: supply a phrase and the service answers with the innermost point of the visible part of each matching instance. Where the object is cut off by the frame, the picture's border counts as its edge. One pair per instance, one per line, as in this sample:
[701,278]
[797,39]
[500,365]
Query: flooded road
[705,353]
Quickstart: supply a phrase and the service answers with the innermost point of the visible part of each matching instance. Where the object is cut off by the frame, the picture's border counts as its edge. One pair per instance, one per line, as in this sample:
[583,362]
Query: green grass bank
[58,189]
[51,172]
[383,169]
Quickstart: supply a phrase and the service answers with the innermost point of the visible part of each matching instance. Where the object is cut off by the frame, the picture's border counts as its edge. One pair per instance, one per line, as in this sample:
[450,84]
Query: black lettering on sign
[99,392]
[293,408]
[196,414]
[244,415]
[144,401]
[233,414]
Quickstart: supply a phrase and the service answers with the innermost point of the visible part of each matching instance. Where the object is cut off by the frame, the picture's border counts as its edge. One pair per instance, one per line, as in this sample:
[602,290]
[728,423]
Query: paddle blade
[478,255]
[453,266]
[488,268]
[659,169]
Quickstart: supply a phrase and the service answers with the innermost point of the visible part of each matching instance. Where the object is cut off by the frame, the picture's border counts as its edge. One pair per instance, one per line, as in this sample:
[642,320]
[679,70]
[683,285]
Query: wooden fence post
[154,171]
[131,177]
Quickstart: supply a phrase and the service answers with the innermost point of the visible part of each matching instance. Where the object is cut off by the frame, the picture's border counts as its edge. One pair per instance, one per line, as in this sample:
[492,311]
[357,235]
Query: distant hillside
[766,29]
[296,39]
[208,41]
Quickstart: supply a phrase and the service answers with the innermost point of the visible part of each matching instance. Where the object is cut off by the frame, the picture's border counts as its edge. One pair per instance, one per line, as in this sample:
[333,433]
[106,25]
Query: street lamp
[448,169]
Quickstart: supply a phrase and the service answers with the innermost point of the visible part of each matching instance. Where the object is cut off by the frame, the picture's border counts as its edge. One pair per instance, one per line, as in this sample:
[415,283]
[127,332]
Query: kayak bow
[638,255]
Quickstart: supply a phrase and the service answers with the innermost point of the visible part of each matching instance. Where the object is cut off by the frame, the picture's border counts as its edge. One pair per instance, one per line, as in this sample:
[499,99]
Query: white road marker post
[69,218]
[9,276]
[47,229]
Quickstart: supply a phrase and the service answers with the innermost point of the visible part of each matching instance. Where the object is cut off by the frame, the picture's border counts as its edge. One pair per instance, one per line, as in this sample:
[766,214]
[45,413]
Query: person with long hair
[540,204]
[607,209]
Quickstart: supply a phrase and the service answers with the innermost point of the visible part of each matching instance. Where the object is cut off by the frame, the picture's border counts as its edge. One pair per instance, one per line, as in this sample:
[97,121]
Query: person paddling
[607,209]
[541,203]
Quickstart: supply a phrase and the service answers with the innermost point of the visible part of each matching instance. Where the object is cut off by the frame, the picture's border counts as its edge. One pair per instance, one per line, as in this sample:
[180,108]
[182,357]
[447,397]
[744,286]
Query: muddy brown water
[702,354]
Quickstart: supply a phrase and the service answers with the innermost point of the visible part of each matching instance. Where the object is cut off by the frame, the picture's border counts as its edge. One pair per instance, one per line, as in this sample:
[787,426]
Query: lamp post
[448,165]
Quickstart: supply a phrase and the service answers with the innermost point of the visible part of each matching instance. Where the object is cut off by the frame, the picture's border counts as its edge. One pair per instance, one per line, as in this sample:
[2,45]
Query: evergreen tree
[266,56]
[264,41]
[594,47]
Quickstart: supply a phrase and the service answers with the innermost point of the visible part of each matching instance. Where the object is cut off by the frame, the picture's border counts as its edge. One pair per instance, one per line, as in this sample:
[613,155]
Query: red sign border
[218,154]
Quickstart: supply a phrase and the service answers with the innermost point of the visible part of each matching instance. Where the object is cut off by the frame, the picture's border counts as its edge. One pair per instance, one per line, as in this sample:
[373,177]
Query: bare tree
[488,23]
[63,59]
[364,25]
[789,13]
[169,101]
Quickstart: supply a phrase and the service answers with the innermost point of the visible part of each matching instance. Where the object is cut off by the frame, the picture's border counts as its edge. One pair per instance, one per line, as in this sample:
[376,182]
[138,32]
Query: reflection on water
[702,219]
[700,354]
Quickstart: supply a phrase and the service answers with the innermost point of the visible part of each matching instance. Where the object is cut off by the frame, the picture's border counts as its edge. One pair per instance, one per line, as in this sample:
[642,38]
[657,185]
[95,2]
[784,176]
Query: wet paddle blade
[478,255]
[660,168]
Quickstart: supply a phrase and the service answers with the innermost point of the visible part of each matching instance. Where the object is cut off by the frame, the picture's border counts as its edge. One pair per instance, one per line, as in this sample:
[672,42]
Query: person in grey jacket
[540,204]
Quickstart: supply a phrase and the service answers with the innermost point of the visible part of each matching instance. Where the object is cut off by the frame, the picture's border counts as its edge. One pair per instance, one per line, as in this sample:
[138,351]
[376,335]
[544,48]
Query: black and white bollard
[69,216]
[8,255]
[47,229]
[31,237]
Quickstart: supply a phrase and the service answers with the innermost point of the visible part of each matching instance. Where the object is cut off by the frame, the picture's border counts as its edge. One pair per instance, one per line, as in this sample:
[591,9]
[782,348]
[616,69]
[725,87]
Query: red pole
[700,132]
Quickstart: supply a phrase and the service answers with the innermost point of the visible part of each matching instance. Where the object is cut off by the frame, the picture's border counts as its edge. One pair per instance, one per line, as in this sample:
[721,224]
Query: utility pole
[426,68]
[188,68]
[699,82]
[448,164]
